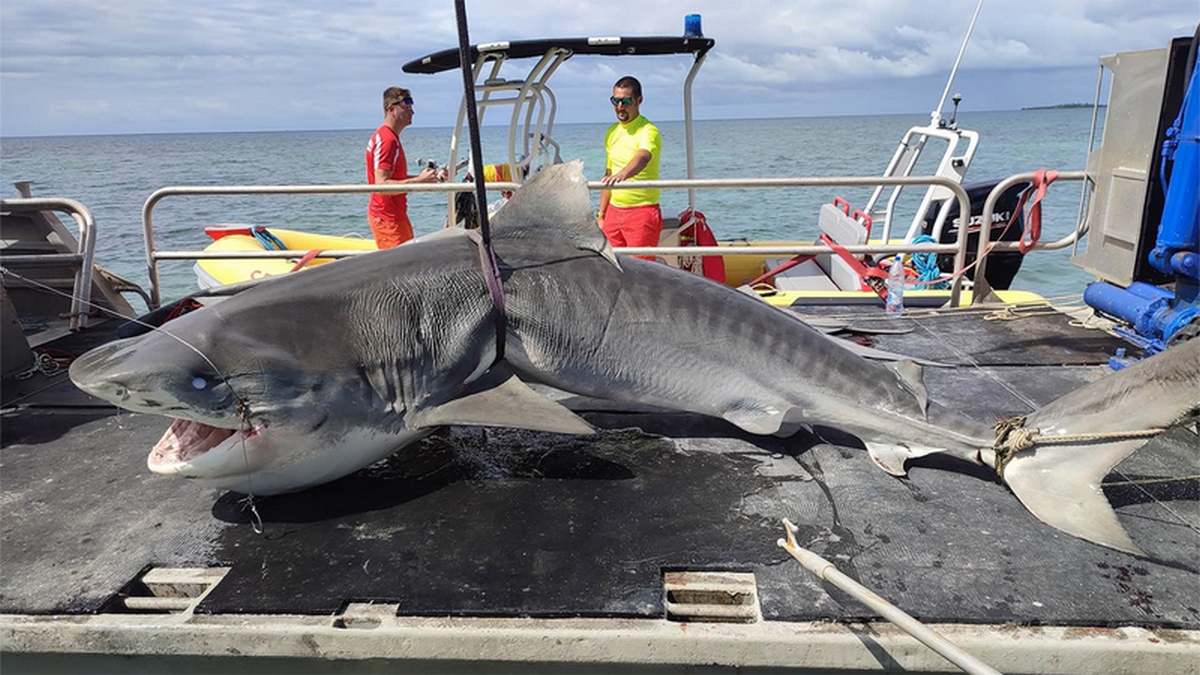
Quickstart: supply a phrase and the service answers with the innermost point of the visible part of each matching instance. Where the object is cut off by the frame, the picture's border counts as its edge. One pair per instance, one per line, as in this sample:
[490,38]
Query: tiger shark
[301,379]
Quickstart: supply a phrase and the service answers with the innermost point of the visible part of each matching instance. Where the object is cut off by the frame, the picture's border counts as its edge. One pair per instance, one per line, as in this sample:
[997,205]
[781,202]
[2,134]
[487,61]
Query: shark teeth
[186,440]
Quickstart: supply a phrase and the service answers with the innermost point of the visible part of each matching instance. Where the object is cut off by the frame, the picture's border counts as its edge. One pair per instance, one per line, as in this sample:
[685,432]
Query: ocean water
[114,175]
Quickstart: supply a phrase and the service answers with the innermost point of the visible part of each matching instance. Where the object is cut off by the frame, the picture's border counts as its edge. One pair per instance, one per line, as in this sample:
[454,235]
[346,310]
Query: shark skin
[305,378]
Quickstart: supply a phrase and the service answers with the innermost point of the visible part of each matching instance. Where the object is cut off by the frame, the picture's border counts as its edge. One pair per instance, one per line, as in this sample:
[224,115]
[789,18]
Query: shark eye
[199,383]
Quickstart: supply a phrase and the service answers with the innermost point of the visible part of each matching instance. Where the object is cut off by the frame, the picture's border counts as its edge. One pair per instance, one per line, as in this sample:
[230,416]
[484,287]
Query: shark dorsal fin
[500,399]
[554,203]
[912,378]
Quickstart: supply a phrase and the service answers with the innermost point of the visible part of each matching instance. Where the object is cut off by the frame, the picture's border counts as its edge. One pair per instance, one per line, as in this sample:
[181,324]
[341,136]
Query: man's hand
[640,159]
[611,178]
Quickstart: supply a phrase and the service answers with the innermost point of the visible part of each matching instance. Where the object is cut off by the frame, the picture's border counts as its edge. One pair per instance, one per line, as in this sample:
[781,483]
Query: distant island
[1060,106]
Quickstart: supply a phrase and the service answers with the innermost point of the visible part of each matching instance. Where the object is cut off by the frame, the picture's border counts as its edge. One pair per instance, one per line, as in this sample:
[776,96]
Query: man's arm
[640,159]
[426,176]
[605,198]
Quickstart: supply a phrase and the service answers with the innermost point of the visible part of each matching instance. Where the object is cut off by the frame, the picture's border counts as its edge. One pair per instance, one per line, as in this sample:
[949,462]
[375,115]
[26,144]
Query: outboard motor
[1002,266]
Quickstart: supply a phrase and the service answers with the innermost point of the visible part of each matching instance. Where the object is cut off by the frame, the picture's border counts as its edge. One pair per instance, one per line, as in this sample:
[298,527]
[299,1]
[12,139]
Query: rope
[1042,178]
[305,259]
[48,362]
[1015,312]
[928,272]
[1012,437]
[1153,481]
[268,240]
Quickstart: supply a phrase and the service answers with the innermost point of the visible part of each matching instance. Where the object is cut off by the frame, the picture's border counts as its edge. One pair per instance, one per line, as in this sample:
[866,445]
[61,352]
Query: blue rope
[926,264]
[268,240]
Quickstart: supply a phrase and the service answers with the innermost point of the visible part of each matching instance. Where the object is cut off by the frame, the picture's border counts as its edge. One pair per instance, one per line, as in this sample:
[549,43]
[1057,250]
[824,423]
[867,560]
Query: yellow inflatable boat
[213,272]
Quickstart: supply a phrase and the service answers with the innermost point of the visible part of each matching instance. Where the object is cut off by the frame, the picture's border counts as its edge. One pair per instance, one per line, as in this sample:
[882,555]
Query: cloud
[78,66]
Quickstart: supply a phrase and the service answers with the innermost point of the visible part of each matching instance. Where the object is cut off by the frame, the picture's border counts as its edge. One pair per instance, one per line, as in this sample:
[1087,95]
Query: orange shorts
[390,235]
[633,226]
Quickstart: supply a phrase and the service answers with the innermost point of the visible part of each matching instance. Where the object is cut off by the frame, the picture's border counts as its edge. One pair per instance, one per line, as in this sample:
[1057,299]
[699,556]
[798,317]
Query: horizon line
[1072,106]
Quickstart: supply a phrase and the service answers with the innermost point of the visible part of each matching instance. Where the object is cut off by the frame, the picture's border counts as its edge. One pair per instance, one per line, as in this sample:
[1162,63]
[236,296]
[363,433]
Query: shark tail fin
[1061,487]
[555,203]
[1060,482]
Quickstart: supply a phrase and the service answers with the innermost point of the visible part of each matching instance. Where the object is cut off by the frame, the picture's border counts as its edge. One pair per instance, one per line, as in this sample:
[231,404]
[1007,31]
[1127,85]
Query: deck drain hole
[166,590]
[711,596]
[365,615]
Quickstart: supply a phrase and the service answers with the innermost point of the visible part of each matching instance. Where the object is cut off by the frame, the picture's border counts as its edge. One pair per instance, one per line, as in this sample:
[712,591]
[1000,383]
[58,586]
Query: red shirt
[385,153]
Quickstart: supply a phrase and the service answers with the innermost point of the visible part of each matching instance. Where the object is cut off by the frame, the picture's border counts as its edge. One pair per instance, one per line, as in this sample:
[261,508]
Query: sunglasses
[407,100]
[624,100]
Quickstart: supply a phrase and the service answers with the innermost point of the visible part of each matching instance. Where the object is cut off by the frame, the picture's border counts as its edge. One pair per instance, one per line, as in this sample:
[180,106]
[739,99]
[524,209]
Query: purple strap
[491,275]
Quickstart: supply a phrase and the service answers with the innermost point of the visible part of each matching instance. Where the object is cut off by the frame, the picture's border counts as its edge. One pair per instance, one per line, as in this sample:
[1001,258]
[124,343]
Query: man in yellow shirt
[630,217]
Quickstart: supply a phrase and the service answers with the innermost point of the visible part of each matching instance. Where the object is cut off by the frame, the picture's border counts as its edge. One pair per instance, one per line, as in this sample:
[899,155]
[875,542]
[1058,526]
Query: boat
[307,246]
[655,546]
[781,277]
[782,273]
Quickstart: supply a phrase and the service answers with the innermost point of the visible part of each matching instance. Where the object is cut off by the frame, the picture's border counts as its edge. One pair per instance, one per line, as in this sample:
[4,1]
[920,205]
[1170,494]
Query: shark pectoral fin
[1061,486]
[501,400]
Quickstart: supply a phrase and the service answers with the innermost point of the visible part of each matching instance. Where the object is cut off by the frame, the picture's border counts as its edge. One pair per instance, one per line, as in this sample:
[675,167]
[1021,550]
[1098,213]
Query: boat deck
[504,523]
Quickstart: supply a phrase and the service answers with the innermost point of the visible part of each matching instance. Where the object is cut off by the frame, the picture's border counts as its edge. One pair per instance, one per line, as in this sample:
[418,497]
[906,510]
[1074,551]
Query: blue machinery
[1158,316]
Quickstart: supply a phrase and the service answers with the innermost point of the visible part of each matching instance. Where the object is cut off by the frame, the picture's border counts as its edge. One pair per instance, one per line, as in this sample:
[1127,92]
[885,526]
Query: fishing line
[1140,485]
[1003,385]
[242,406]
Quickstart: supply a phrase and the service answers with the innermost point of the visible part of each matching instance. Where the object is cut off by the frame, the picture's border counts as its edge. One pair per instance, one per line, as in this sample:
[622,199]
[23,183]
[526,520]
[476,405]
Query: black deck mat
[510,523]
[956,337]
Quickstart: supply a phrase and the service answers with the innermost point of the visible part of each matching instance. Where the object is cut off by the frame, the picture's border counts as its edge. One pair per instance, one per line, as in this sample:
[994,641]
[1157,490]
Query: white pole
[927,636]
[936,115]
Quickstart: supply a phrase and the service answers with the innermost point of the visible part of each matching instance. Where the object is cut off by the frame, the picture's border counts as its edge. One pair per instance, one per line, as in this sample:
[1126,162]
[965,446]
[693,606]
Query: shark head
[247,413]
[281,385]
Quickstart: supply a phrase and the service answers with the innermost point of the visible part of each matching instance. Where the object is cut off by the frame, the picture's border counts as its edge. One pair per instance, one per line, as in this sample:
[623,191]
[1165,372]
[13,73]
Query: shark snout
[101,372]
[113,372]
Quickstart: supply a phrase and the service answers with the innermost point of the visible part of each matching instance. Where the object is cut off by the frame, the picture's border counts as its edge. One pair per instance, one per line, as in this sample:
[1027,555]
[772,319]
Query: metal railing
[958,248]
[982,288]
[81,259]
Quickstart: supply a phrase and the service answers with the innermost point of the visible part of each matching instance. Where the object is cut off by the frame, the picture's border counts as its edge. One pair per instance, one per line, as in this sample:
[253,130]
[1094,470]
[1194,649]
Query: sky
[164,66]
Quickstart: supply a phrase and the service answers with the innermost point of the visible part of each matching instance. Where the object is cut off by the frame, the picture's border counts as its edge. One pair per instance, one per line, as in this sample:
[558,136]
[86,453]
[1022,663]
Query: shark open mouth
[187,439]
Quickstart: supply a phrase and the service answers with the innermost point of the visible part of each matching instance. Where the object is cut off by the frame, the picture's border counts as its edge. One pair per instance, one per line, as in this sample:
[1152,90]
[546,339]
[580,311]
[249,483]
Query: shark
[293,381]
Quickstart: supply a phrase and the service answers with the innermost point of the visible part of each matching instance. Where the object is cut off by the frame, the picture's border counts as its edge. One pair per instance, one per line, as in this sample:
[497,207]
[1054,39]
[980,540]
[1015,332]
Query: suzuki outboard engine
[1002,266]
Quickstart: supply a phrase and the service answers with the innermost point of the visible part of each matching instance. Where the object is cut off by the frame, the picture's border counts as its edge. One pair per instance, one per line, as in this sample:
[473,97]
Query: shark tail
[1059,480]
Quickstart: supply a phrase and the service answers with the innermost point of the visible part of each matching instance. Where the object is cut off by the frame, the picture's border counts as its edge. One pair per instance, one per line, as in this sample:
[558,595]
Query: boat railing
[958,248]
[81,260]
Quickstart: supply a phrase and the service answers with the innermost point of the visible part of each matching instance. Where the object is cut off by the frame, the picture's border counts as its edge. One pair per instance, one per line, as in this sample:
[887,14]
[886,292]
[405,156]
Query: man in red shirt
[388,213]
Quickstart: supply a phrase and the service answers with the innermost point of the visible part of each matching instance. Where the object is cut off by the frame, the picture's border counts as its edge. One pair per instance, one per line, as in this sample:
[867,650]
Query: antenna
[936,115]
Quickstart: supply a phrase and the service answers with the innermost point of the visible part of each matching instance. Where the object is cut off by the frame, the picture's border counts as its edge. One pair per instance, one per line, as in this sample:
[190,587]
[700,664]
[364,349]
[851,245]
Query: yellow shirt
[621,143]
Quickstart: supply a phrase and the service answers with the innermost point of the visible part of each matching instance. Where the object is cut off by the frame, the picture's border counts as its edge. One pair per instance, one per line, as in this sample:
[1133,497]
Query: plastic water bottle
[895,287]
